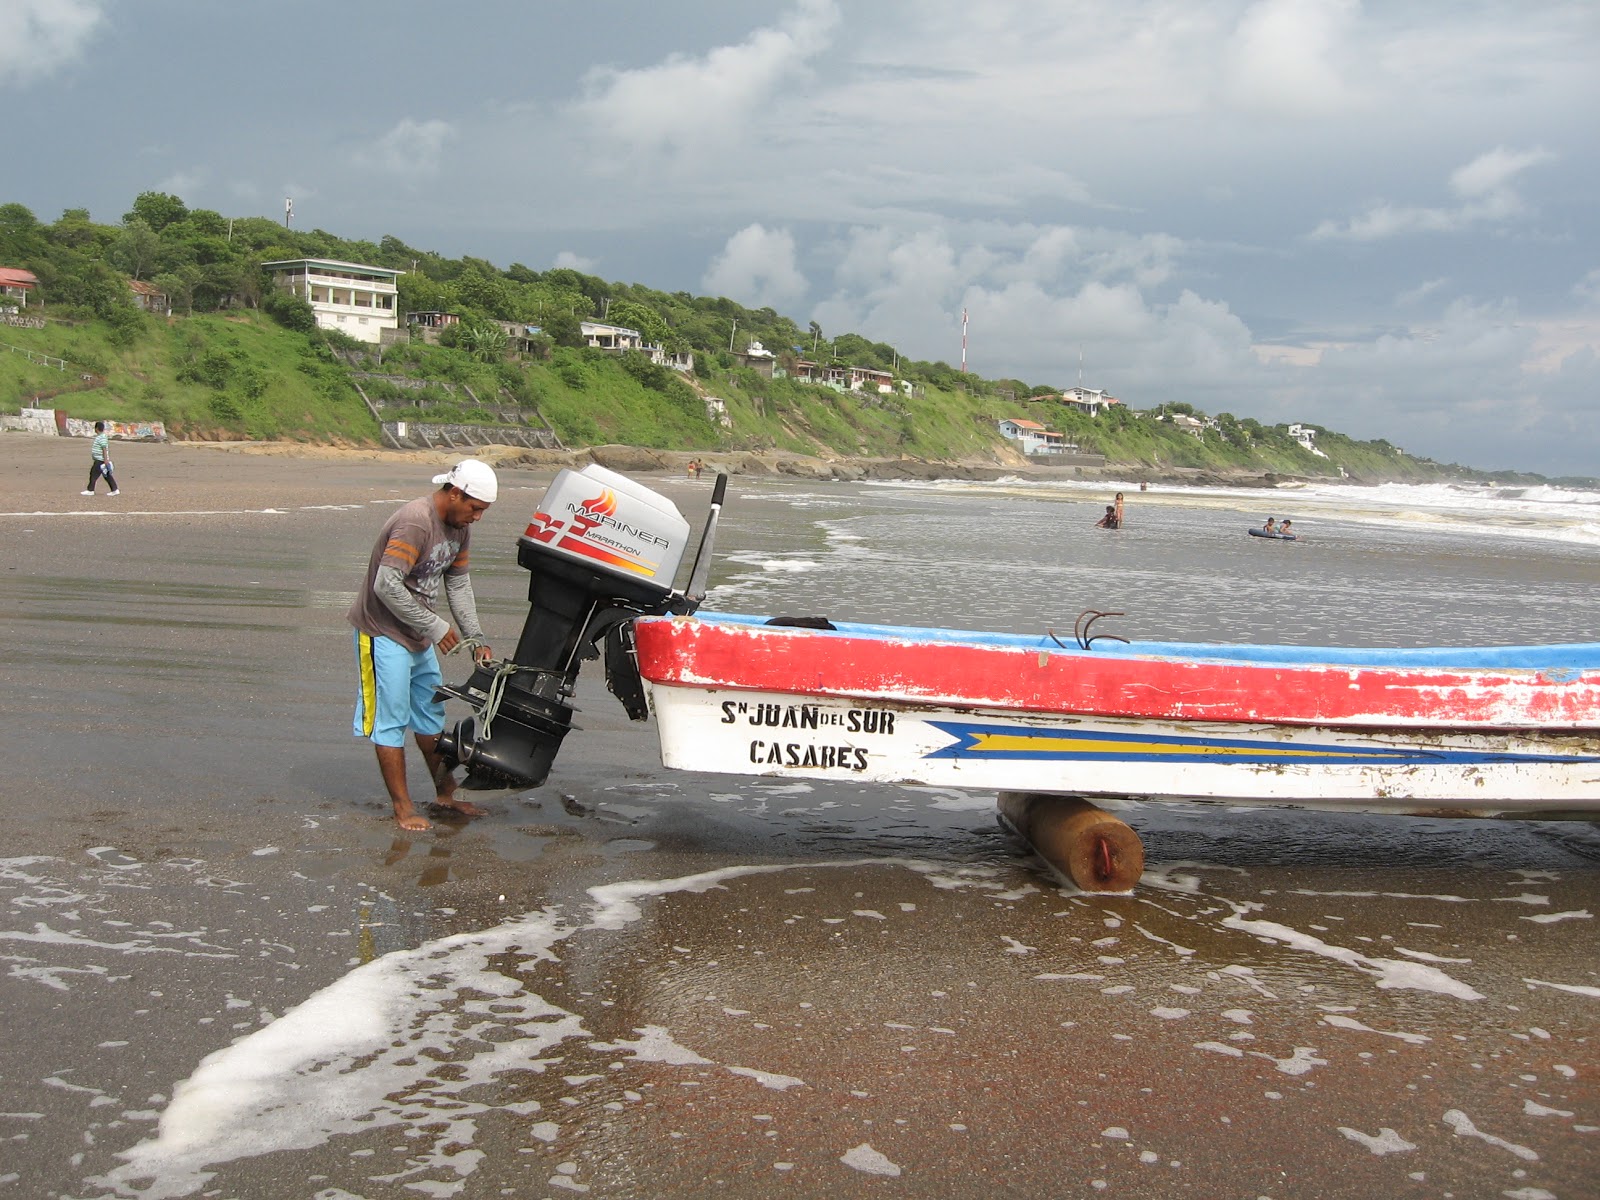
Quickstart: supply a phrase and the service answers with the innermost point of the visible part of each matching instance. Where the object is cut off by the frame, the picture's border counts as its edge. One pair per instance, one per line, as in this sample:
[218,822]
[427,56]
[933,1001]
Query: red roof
[17,277]
[1021,424]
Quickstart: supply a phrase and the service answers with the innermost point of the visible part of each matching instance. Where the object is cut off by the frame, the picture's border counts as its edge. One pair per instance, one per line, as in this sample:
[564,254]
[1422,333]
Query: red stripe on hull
[714,655]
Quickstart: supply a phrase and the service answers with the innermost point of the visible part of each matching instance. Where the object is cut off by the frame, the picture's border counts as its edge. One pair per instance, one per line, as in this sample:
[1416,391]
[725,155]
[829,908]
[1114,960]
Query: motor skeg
[600,550]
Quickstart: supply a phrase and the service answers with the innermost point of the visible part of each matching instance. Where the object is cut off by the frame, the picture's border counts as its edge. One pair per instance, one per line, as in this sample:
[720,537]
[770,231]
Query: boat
[1494,731]
[1490,731]
[1262,533]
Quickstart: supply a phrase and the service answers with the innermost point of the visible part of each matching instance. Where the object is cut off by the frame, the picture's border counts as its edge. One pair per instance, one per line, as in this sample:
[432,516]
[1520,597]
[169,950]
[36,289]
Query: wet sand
[227,973]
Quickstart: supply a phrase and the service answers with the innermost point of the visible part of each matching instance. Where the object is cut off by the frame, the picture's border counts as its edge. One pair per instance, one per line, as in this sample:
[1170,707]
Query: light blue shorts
[396,691]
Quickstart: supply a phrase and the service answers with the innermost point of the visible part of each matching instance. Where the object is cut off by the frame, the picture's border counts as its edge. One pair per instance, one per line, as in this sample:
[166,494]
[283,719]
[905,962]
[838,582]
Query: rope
[496,689]
[497,684]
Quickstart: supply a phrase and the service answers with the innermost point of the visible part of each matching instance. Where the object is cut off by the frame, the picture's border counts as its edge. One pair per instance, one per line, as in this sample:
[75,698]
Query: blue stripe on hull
[997,742]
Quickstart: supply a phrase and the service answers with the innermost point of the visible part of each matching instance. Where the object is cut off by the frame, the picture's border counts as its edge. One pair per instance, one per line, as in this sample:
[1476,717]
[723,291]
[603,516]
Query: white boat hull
[1417,771]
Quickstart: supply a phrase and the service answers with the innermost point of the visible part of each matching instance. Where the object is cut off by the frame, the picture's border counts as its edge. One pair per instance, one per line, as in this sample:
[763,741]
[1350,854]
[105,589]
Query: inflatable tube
[1282,537]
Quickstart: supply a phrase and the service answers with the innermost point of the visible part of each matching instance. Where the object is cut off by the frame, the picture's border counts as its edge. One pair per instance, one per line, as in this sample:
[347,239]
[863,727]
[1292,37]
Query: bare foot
[413,822]
[456,805]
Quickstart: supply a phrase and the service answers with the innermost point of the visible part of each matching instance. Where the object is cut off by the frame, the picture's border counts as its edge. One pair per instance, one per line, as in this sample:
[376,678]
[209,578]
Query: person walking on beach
[100,461]
[397,629]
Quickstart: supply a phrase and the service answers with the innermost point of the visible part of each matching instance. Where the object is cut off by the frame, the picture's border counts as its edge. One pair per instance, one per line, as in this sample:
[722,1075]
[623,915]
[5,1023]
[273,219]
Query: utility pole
[731,332]
[288,211]
[963,341]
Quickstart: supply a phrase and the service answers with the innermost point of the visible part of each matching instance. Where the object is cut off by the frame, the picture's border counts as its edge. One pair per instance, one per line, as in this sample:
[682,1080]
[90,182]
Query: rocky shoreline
[640,460]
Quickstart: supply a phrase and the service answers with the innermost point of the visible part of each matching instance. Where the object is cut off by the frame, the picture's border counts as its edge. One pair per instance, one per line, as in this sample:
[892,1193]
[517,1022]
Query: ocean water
[1405,566]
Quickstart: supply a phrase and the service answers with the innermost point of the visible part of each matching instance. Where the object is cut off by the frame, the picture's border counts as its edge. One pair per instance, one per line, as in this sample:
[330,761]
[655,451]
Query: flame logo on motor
[603,505]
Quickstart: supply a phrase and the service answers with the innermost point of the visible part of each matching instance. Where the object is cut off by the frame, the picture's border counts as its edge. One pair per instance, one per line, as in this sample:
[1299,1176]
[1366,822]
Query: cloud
[757,268]
[185,184]
[1419,293]
[1285,57]
[37,37]
[687,104]
[1484,186]
[573,261]
[1035,297]
[1587,289]
[410,148]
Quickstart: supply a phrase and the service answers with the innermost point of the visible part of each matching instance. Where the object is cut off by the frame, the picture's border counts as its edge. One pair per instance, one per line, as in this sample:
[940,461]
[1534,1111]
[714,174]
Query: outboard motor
[601,550]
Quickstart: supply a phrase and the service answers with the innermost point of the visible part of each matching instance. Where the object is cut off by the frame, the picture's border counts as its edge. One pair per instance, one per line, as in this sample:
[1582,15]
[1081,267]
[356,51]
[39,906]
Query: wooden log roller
[1095,850]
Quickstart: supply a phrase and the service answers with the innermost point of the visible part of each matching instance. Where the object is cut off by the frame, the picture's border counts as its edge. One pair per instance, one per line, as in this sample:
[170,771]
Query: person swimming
[1271,526]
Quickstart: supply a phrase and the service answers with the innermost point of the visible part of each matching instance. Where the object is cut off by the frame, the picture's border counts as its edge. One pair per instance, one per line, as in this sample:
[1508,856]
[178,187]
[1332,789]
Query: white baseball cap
[473,477]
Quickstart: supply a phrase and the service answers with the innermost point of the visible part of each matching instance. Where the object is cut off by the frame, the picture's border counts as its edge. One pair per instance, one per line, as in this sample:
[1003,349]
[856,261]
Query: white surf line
[1387,1140]
[199,512]
[345,1060]
[1343,1022]
[1577,914]
[1577,989]
[1463,1127]
[1389,972]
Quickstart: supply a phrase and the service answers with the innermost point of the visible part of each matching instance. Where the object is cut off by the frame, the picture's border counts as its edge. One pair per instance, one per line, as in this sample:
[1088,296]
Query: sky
[1378,217]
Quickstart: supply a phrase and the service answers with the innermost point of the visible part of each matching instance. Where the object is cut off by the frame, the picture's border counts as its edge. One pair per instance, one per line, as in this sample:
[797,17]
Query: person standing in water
[100,461]
[397,630]
[1119,510]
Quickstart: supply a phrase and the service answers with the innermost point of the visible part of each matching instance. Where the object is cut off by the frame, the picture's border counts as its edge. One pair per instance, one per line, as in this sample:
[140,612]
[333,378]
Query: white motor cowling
[601,550]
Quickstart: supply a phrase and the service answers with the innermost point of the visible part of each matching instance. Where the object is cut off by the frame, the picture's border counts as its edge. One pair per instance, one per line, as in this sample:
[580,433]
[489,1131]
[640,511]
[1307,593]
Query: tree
[633,315]
[21,235]
[136,249]
[484,340]
[482,287]
[563,329]
[74,230]
[289,310]
[179,288]
[157,210]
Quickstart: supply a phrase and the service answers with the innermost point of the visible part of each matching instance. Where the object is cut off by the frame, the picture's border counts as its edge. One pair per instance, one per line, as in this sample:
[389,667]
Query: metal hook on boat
[1087,618]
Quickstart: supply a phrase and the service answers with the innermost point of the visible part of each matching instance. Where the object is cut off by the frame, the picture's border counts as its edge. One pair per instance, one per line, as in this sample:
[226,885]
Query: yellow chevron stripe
[1021,743]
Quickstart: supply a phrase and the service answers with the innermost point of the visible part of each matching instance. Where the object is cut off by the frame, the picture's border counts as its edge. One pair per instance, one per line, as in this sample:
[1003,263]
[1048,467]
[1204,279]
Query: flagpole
[963,341]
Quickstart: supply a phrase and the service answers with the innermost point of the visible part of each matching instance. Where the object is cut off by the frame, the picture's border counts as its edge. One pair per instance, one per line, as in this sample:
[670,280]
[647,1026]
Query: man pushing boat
[397,630]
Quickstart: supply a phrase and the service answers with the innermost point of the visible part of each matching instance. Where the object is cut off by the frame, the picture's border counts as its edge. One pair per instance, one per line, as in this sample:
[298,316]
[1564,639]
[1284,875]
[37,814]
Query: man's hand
[448,642]
[481,654]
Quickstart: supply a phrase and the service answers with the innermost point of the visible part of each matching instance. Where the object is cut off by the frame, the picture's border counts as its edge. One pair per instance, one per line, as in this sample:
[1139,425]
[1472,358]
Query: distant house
[1307,437]
[865,379]
[1088,400]
[357,300]
[432,318]
[16,285]
[1032,437]
[616,338]
[1193,426]
[678,360]
[758,358]
[150,298]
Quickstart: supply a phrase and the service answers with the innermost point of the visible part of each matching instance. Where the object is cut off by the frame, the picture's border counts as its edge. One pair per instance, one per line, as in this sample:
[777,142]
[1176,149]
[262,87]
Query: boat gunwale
[1029,674]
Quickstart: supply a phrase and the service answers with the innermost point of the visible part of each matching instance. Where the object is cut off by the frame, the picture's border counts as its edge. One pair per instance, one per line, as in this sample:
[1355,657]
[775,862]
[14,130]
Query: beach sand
[229,973]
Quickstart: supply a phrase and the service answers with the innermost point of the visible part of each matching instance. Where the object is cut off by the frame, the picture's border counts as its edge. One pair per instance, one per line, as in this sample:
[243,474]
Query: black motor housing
[600,550]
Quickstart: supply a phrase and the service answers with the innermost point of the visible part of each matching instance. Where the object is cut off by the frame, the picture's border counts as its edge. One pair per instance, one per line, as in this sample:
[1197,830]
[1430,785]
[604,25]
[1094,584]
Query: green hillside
[240,359]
